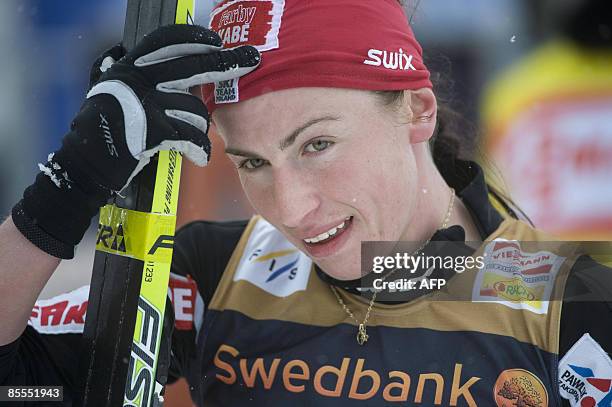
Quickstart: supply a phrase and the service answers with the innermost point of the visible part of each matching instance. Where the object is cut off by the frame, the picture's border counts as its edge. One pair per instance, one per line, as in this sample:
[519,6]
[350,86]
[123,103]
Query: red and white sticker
[66,313]
[187,302]
[248,22]
[245,22]
[62,314]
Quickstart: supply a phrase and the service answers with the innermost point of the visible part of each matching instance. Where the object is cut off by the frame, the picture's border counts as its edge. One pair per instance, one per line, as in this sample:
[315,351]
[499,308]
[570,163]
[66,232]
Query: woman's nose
[296,197]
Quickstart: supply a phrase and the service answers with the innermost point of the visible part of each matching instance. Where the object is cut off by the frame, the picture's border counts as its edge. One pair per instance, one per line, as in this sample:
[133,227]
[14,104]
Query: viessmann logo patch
[245,22]
[515,277]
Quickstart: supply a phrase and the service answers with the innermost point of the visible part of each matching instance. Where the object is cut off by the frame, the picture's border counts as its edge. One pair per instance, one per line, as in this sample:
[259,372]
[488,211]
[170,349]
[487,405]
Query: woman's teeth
[330,233]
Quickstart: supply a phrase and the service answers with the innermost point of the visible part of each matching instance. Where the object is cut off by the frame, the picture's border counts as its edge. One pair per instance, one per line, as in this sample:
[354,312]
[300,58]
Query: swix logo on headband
[253,22]
[390,60]
[318,43]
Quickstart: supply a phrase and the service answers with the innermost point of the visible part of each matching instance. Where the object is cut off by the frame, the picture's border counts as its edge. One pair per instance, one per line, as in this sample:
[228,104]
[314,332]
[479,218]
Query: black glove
[139,105]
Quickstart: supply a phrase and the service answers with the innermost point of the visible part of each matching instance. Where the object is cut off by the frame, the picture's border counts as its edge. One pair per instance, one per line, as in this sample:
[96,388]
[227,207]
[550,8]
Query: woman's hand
[137,105]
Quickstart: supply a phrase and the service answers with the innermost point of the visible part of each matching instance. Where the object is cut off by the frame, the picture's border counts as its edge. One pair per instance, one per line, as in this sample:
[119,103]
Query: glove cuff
[34,233]
[55,217]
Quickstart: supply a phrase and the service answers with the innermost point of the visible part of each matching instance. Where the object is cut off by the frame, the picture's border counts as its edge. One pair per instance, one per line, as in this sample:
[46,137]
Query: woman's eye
[252,163]
[318,145]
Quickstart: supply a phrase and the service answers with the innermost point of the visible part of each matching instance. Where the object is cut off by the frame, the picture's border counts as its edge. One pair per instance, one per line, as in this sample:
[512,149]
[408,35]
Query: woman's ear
[424,109]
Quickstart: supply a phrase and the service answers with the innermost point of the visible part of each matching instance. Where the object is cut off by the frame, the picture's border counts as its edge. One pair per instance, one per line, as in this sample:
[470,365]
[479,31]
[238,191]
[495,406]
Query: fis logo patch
[273,264]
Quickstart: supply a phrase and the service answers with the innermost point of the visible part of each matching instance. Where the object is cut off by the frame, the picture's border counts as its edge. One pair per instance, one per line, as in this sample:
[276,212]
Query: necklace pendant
[362,336]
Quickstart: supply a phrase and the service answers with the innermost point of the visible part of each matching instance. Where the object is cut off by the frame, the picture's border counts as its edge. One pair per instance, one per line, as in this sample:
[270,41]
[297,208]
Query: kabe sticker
[516,278]
[252,22]
[62,314]
[245,22]
[585,374]
[272,263]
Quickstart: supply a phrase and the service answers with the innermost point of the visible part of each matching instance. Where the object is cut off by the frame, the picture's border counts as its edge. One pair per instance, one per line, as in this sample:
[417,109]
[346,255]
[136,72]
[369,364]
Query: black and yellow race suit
[256,323]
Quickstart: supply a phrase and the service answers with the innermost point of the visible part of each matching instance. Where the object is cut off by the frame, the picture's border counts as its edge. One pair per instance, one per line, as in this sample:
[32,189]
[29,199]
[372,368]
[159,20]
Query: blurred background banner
[534,79]
[547,122]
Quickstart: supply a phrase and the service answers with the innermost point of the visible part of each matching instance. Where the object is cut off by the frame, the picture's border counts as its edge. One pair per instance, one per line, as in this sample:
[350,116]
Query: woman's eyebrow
[287,141]
[241,153]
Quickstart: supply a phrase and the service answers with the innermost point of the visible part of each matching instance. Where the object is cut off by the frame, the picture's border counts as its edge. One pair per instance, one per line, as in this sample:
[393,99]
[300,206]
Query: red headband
[357,44]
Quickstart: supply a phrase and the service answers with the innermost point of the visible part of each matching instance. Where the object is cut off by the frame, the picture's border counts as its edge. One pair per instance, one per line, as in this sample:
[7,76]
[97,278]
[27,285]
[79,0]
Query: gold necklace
[362,334]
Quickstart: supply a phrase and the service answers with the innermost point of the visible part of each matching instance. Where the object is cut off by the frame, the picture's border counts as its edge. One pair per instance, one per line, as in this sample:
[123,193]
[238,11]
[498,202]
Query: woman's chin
[341,273]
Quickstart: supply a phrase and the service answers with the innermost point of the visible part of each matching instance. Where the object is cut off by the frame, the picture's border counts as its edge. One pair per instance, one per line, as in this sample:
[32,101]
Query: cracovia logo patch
[245,22]
[398,60]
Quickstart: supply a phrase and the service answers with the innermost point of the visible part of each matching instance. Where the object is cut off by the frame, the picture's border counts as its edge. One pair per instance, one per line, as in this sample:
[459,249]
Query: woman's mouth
[329,242]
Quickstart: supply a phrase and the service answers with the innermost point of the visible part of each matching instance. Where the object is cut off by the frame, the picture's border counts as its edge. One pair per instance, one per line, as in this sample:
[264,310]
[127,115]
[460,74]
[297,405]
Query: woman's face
[329,168]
